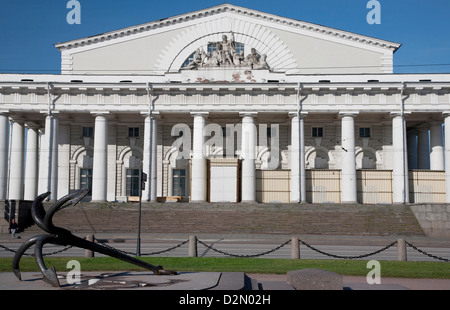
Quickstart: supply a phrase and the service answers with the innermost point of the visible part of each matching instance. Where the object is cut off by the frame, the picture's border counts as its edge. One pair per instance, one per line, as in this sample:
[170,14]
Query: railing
[295,243]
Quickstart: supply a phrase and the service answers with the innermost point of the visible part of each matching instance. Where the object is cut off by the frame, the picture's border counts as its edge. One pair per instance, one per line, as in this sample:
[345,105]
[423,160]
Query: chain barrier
[142,254]
[45,254]
[246,256]
[348,257]
[425,253]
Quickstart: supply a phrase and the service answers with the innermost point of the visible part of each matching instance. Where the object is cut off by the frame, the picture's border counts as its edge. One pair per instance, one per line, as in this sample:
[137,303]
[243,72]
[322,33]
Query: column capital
[153,114]
[445,113]
[100,113]
[348,113]
[5,112]
[19,120]
[32,125]
[250,114]
[398,113]
[204,114]
[293,114]
[52,113]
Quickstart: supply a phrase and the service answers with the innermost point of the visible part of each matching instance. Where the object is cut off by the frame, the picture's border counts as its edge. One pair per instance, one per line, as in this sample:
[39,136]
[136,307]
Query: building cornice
[60,88]
[19,80]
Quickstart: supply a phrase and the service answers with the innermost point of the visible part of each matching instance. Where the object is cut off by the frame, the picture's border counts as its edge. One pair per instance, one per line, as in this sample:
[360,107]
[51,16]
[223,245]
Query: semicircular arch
[252,35]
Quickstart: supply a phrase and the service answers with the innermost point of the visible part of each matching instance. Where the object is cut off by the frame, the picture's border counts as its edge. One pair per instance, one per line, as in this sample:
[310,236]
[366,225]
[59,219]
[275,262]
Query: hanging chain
[246,256]
[425,253]
[348,257]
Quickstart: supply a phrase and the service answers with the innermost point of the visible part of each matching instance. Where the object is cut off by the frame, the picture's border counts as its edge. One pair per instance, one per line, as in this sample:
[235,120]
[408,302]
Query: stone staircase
[232,218]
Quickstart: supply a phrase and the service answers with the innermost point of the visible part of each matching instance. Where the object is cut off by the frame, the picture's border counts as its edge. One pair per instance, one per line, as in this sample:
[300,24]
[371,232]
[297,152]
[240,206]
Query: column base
[349,202]
[197,201]
[249,201]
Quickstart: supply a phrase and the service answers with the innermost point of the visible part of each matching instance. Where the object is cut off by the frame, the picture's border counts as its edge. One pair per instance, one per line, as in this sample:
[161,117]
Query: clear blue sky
[29,28]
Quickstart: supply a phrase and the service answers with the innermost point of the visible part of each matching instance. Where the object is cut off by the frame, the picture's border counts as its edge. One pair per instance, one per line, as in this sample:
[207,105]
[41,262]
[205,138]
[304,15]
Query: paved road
[270,246]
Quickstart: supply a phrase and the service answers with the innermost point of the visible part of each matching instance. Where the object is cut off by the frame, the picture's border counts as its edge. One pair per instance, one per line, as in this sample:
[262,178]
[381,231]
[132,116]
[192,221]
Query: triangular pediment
[163,46]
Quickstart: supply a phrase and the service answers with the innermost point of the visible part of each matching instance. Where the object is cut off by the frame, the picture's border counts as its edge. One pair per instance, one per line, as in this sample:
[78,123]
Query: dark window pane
[133,132]
[179,182]
[364,132]
[317,132]
[88,131]
[132,182]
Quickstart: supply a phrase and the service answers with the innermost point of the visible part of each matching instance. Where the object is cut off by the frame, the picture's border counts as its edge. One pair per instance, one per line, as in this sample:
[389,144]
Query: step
[240,218]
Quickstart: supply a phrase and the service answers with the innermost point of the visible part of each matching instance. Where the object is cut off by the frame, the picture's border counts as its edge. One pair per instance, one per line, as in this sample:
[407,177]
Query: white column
[423,148]
[4,146]
[348,174]
[248,155]
[48,161]
[150,156]
[16,161]
[99,169]
[43,163]
[31,167]
[297,158]
[436,147]
[400,182]
[447,155]
[63,181]
[198,192]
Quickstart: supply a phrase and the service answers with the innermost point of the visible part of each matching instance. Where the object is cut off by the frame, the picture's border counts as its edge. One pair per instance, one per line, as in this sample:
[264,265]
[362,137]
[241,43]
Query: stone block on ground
[314,279]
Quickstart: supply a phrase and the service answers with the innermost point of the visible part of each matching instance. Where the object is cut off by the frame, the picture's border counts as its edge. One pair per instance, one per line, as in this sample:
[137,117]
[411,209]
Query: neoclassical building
[227,104]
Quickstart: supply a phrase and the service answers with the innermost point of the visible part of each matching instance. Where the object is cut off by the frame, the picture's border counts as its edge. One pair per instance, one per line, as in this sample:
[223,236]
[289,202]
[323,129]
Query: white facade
[322,119]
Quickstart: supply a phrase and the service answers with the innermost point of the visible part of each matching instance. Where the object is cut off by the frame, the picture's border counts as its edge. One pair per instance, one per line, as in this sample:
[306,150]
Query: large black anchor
[63,237]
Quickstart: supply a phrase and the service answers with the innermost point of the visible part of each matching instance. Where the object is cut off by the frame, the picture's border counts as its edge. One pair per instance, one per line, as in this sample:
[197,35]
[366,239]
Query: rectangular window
[132,182]
[133,132]
[179,182]
[364,132]
[317,132]
[88,131]
[86,179]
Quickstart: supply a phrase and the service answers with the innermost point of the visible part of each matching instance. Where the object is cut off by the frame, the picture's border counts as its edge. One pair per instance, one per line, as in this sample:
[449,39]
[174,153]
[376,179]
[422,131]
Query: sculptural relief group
[226,55]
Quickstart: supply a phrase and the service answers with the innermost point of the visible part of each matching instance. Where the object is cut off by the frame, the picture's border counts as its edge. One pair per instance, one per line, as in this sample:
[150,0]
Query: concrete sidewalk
[360,283]
[230,281]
